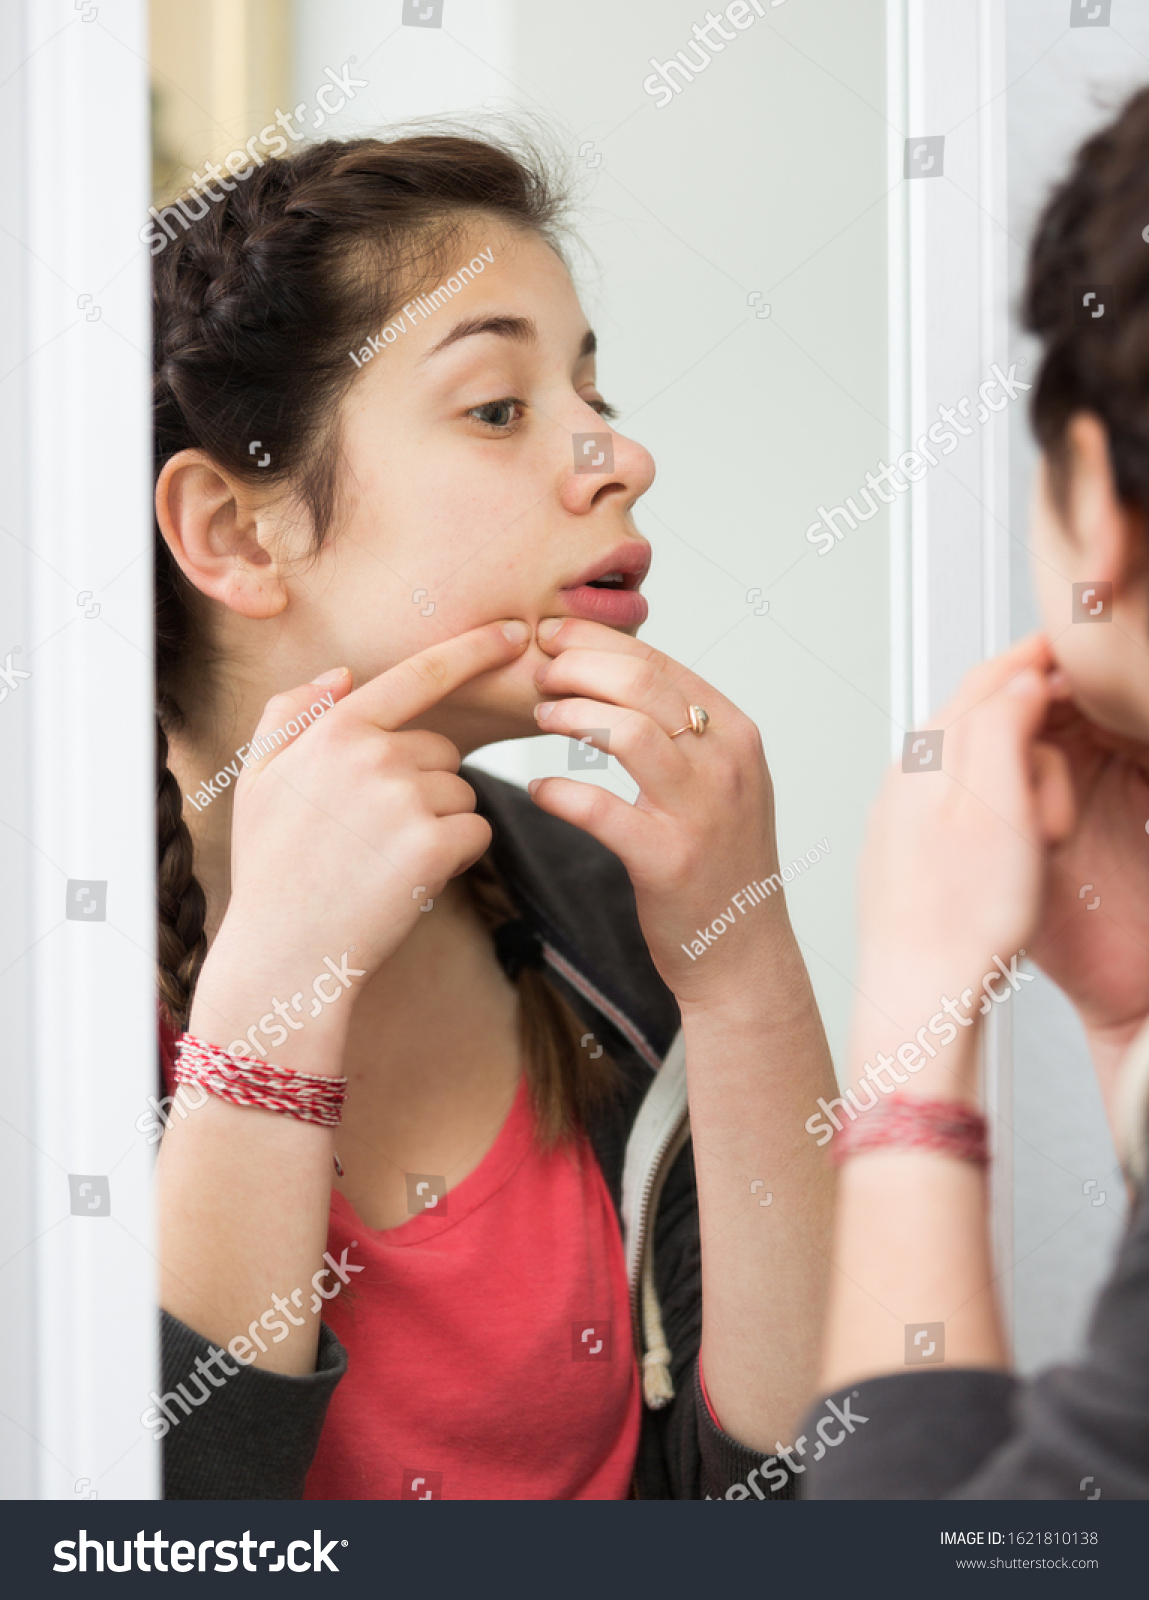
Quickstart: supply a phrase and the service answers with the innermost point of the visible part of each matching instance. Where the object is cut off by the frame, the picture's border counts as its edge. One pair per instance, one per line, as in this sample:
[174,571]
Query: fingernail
[548,628]
[329,677]
[532,786]
[543,710]
[541,674]
[1024,683]
[517,632]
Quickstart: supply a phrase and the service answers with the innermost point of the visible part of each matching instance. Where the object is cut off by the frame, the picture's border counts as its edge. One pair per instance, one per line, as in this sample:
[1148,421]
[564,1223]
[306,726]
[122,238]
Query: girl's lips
[617,608]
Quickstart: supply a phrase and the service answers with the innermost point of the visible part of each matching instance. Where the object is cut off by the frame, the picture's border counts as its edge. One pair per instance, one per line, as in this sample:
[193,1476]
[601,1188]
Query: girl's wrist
[273,1014]
[769,987]
[933,1056]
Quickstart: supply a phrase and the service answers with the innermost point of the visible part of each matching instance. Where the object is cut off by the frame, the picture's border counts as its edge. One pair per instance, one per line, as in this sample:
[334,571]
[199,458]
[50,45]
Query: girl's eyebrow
[521,329]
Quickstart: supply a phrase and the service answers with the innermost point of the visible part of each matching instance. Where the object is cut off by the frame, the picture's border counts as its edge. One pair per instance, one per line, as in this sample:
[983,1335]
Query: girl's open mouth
[608,591]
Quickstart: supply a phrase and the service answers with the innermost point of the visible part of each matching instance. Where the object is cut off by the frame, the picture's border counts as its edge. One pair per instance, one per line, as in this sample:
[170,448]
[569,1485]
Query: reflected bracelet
[945,1127]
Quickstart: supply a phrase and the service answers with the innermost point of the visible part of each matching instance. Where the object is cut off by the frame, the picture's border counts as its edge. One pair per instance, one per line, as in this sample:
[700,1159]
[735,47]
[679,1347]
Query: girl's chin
[499,706]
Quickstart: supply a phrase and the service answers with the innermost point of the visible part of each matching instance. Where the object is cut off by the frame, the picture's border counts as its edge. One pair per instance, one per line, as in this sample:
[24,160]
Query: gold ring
[697,724]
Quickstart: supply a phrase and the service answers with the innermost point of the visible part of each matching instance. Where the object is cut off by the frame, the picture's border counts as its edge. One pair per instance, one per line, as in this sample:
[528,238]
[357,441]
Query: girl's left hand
[702,826]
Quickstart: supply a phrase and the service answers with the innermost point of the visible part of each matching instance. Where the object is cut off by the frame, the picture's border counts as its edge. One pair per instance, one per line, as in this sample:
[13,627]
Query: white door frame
[948,326]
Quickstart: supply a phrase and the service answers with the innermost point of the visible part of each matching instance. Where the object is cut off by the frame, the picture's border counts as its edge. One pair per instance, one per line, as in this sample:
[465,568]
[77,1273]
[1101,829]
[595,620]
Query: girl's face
[471,491]
[1091,576]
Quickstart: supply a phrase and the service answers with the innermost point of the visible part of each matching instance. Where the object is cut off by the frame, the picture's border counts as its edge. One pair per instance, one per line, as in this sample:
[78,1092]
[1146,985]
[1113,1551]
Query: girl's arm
[702,829]
[243,1194]
[757,1063]
[950,887]
[330,834]
[912,1249]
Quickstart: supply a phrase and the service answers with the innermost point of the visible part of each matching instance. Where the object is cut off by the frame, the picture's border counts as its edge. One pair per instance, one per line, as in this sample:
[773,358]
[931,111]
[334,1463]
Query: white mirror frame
[78,1290]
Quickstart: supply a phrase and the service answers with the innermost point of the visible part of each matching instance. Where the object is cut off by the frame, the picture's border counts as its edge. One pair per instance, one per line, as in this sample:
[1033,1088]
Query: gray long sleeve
[976,1435]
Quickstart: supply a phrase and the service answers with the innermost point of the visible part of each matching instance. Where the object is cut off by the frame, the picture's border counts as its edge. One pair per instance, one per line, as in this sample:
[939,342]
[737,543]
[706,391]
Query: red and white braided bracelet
[946,1127]
[307,1096]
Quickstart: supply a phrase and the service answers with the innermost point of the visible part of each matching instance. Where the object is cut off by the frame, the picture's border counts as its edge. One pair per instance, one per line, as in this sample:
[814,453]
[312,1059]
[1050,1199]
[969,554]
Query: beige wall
[220,68]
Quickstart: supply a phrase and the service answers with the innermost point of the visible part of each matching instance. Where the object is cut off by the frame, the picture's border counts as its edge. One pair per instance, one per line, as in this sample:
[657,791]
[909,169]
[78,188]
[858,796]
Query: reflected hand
[955,861]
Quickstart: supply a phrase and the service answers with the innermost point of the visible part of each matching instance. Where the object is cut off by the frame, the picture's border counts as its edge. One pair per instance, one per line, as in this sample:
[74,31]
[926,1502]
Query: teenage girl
[1031,839]
[431,1223]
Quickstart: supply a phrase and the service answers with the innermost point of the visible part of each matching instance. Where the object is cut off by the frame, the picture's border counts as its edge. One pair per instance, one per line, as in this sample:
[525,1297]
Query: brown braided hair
[255,305]
[1089,236]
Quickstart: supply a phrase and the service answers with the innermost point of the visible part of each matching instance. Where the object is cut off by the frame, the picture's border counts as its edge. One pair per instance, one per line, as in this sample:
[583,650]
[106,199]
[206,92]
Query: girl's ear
[219,535]
[1110,537]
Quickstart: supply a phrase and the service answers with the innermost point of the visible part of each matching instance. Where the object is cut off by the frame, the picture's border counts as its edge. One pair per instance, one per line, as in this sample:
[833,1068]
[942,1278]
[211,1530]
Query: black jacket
[256,1436]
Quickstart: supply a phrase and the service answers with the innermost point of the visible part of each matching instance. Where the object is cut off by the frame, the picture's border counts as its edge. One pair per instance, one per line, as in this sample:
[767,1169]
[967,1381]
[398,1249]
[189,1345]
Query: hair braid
[182,940]
[566,1083]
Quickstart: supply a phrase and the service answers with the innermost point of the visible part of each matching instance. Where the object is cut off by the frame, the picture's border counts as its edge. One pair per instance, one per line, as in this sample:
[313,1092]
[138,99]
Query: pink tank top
[489,1343]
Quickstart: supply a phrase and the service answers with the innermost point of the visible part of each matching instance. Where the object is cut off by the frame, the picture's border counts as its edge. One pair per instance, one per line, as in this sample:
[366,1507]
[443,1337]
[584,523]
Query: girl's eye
[607,412]
[498,413]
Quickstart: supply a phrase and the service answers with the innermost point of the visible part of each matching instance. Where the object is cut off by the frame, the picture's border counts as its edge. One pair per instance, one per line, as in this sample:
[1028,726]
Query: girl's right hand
[339,837]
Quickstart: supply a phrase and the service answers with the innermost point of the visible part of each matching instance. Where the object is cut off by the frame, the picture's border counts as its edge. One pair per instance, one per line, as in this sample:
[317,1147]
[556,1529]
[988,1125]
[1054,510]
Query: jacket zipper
[643,1216]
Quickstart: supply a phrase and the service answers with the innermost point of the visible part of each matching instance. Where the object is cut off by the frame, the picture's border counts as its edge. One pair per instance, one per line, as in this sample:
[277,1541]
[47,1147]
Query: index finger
[579,633]
[413,686]
[990,676]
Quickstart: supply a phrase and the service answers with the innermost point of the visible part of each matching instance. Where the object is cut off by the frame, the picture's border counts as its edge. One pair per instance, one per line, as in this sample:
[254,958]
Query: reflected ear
[216,532]
[1110,537]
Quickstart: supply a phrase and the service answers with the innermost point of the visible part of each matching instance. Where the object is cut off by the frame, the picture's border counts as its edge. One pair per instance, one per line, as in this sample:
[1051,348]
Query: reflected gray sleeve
[252,1438]
[1083,1430]
[913,1435]
[1076,1432]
